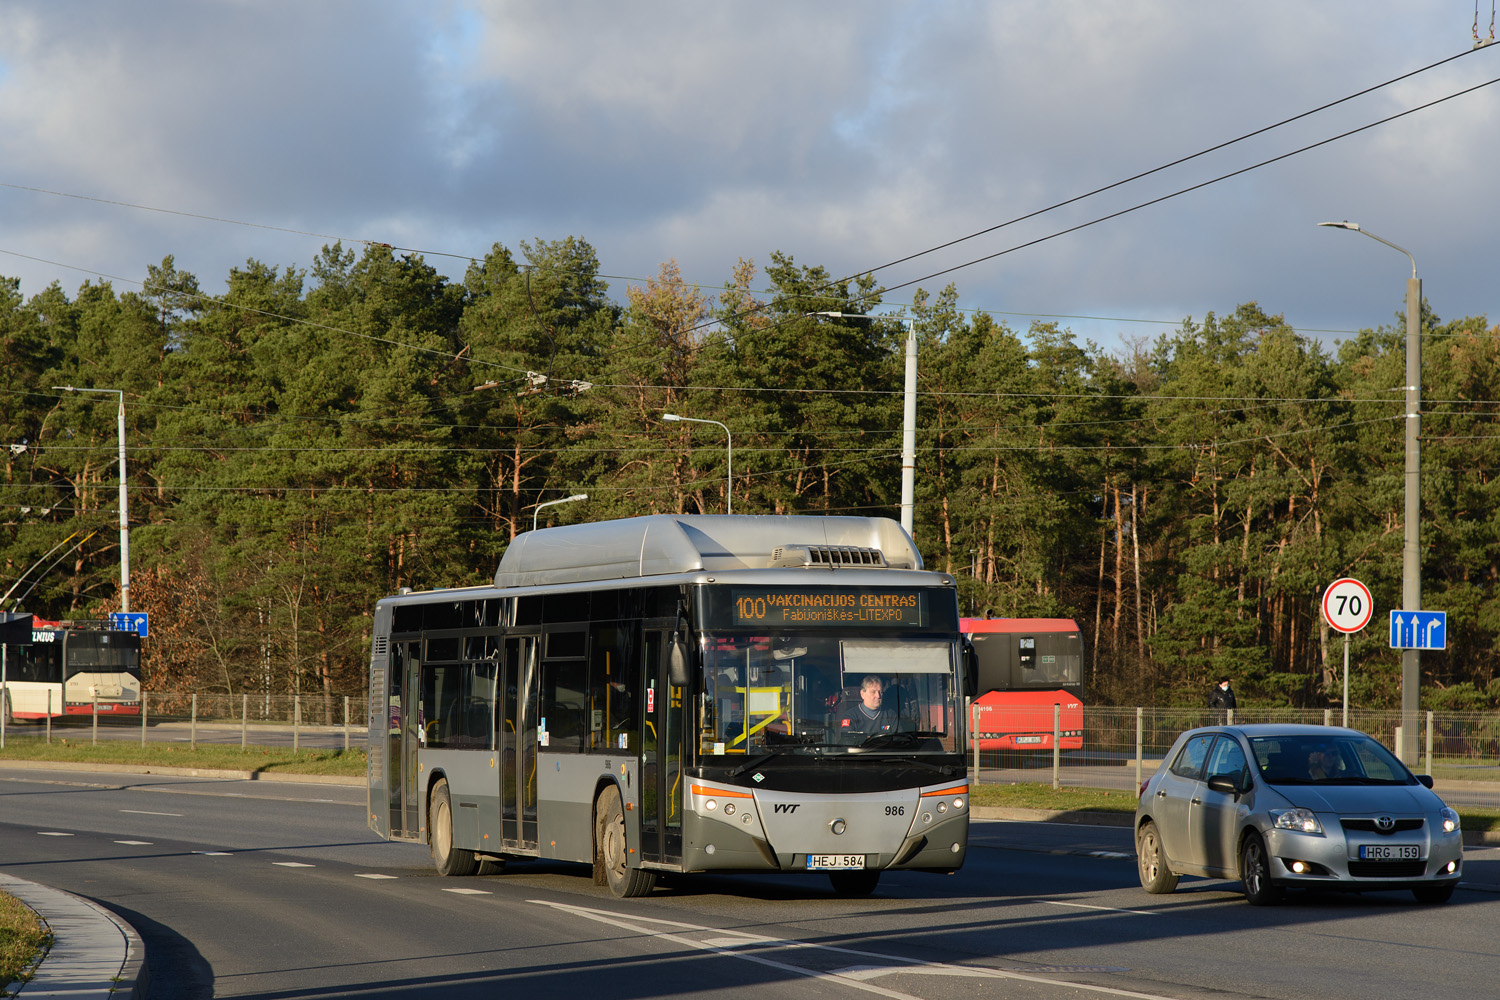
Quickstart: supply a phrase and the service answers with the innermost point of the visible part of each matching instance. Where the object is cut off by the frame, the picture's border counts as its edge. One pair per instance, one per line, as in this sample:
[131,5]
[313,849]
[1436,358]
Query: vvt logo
[787,807]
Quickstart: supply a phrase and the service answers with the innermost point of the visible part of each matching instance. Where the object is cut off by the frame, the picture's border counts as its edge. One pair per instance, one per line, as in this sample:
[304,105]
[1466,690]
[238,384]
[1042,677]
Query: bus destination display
[776,606]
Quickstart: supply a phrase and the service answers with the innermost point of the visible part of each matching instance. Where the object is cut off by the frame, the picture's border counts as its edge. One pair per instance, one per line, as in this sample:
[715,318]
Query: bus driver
[867,716]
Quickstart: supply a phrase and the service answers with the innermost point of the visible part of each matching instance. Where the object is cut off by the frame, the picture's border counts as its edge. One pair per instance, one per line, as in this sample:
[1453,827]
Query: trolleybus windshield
[819,692]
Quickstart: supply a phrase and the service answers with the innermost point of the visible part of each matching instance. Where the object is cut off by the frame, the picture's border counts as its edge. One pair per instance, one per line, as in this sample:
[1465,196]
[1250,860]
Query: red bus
[1027,665]
[72,668]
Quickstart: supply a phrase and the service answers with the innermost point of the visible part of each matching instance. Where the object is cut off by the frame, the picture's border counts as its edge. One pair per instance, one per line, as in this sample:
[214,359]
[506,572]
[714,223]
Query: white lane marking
[863,972]
[213,854]
[632,923]
[292,864]
[373,875]
[52,833]
[143,812]
[470,892]
[1106,909]
[135,843]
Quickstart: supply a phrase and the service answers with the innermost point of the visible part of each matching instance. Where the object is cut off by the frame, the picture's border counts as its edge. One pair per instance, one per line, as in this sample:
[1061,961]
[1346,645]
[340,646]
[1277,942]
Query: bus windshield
[821,693]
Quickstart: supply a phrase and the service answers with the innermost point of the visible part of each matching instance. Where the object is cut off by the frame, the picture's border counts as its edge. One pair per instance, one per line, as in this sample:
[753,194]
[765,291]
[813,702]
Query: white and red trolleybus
[72,668]
[1026,666]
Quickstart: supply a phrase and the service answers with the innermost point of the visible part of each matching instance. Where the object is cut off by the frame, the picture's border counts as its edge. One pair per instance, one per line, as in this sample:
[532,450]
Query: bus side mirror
[679,673]
[971,670]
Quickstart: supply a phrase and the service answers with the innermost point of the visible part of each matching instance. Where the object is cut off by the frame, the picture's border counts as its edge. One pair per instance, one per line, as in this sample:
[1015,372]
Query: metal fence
[1123,746]
[296,721]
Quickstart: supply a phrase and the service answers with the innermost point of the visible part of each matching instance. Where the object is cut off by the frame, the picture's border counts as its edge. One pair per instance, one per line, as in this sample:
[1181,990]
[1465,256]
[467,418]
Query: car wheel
[1255,872]
[447,859]
[1156,877]
[1434,894]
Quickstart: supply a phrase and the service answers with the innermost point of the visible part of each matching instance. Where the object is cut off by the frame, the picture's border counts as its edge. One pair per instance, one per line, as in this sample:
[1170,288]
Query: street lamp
[124,499]
[1411,563]
[729,481]
[908,416]
[549,503]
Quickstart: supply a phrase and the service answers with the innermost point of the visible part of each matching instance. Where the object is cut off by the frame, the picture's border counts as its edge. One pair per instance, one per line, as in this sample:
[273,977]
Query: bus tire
[611,854]
[855,883]
[447,859]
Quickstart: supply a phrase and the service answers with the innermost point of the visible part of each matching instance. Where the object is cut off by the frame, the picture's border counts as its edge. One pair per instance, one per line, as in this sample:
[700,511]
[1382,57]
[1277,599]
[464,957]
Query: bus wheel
[610,850]
[856,883]
[446,858]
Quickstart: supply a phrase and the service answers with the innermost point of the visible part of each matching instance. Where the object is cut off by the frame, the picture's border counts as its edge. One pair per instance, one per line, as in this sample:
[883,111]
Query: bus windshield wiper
[753,763]
[889,739]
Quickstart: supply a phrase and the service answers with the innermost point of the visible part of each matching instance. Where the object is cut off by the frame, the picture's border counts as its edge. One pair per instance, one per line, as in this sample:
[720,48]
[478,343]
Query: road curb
[185,772]
[95,954]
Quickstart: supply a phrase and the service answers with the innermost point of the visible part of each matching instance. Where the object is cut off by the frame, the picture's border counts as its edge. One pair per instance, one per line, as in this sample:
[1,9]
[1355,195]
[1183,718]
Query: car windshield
[1347,759]
[810,693]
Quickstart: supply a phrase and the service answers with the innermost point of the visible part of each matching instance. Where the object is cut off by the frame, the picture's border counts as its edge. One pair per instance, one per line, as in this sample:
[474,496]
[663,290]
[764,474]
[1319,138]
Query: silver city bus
[679,694]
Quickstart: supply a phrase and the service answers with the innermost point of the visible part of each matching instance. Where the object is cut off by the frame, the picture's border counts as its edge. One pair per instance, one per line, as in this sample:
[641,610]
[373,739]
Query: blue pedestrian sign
[136,621]
[1419,630]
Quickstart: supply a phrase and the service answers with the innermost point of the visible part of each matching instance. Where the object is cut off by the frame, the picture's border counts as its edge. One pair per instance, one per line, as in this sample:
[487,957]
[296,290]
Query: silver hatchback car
[1281,807]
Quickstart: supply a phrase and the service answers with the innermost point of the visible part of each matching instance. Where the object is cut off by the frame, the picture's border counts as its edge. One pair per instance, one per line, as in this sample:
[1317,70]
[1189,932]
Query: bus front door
[516,742]
[661,758]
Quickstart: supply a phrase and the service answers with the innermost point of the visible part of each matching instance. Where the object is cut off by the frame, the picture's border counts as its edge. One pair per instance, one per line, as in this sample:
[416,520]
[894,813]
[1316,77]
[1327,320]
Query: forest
[312,438]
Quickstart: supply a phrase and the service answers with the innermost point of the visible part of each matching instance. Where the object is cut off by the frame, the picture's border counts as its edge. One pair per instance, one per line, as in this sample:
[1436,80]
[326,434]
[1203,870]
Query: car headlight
[1299,819]
[1450,820]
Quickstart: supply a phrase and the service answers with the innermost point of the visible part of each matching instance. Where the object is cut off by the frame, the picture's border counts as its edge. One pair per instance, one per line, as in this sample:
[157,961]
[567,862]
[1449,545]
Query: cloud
[849,134]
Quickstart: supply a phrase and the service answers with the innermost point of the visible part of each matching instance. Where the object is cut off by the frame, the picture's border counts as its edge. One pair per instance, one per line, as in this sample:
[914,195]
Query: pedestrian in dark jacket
[1223,695]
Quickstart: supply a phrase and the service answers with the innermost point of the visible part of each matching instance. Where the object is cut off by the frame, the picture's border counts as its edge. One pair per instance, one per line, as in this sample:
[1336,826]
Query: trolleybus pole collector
[679,694]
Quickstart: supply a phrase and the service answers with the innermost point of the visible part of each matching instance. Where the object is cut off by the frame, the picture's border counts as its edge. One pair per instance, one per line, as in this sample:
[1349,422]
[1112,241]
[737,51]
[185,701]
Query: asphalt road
[272,891]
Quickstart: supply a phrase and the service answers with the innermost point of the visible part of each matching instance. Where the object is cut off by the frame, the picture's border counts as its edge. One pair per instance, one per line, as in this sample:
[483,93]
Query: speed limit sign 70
[1346,605]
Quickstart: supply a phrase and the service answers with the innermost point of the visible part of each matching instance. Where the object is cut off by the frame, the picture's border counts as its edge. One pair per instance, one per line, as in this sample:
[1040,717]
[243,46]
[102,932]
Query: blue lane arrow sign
[130,621]
[1419,630]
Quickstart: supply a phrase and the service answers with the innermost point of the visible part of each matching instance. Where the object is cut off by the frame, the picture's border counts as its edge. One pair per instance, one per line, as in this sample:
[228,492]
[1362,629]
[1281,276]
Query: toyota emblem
[1385,824]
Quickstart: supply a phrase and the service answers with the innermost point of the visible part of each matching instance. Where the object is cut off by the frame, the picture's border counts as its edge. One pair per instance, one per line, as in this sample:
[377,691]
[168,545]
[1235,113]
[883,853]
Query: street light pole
[729,480]
[1411,561]
[549,503]
[908,416]
[124,495]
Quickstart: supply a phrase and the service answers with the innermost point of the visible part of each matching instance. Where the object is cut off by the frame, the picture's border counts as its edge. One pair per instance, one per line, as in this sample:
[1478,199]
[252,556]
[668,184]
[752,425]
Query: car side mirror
[1425,779]
[1228,784]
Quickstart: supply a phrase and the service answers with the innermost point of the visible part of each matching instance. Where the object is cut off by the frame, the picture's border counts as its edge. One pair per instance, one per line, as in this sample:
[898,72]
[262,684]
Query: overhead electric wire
[1195,187]
[1166,166]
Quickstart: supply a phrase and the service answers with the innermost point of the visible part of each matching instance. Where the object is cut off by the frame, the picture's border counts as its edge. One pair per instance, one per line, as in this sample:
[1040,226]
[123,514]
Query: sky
[848,134]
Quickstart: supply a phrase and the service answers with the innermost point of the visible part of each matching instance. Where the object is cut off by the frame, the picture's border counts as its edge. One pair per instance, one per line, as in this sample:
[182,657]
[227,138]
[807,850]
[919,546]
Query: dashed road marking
[52,833]
[147,812]
[135,843]
[292,864]
[373,875]
[470,892]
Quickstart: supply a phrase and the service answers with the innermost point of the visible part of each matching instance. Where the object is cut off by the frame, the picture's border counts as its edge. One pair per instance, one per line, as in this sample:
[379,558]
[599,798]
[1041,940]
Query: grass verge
[1044,796]
[269,760]
[22,937]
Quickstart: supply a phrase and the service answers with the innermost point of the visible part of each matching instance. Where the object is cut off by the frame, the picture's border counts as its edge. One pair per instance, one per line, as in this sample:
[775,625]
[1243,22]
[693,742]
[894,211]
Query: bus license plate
[825,862]
[1028,739]
[1389,852]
